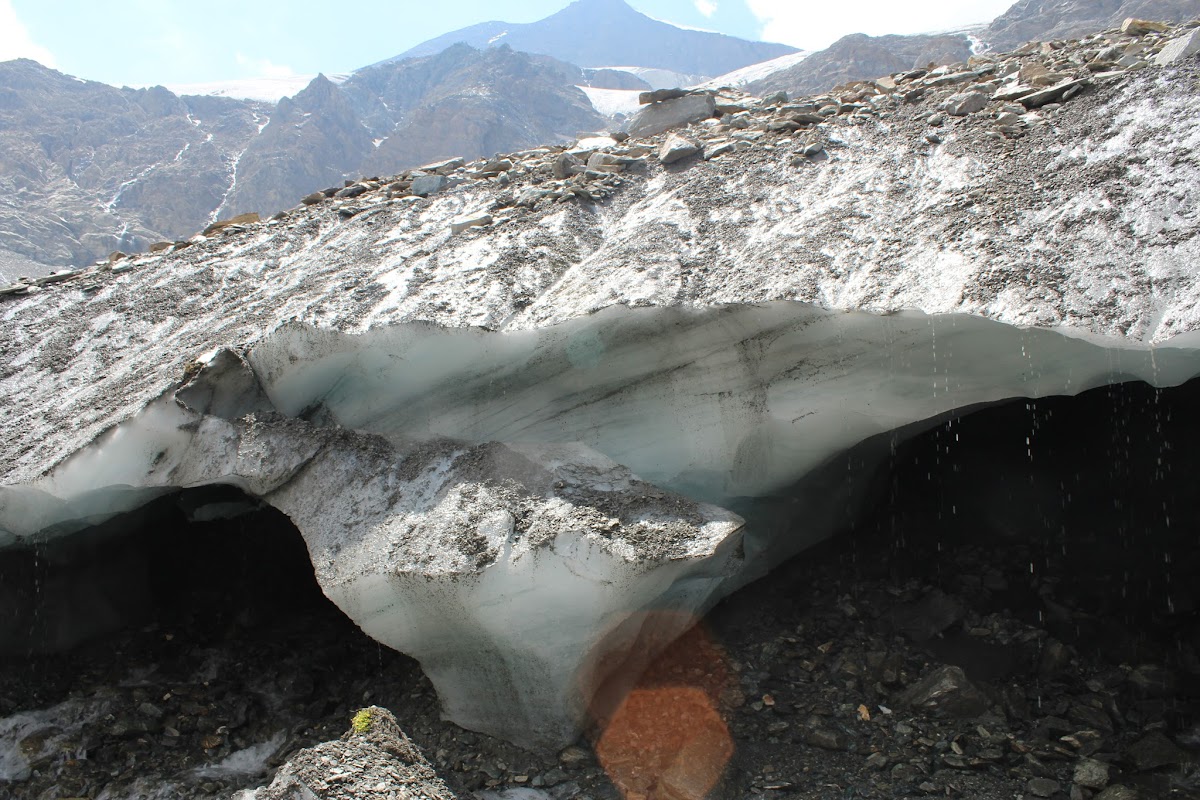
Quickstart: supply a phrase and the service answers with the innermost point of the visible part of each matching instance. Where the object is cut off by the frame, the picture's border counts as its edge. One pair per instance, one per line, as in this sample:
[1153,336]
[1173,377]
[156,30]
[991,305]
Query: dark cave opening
[1091,497]
[199,562]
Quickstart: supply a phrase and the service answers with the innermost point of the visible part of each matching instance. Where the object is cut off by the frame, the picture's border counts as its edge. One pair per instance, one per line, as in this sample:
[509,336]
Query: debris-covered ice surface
[505,440]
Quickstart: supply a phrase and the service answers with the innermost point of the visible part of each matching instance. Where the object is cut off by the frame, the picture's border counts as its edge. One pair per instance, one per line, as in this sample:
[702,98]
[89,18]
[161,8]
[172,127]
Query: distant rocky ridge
[1047,20]
[860,57]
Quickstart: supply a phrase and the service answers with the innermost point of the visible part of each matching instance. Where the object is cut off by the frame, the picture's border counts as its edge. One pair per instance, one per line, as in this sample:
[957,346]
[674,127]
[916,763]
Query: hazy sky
[136,42]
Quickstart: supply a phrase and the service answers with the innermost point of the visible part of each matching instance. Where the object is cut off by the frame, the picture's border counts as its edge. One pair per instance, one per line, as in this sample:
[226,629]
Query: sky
[143,42]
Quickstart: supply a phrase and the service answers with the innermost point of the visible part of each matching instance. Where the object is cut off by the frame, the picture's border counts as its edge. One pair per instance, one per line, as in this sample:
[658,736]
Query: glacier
[508,448]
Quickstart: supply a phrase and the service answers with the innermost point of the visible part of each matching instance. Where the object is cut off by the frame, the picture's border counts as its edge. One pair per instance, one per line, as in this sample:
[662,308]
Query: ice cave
[510,508]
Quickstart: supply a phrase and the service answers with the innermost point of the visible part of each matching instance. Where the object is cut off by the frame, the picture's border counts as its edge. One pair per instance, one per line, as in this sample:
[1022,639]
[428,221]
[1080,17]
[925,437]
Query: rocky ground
[920,654]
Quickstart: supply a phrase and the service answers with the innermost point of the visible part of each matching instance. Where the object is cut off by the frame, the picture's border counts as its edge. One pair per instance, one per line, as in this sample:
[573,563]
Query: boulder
[659,117]
[1179,48]
[677,148]
[946,692]
[426,185]
[964,103]
[1139,27]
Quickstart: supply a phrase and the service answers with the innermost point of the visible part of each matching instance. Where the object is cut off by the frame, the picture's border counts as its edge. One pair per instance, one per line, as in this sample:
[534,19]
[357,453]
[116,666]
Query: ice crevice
[513,508]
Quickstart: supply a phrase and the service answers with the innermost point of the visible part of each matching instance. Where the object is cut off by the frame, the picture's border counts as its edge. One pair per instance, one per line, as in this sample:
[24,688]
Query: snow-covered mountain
[596,33]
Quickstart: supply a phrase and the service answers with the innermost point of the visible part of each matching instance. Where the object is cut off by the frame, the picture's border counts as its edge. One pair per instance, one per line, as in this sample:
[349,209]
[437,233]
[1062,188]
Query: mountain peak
[604,33]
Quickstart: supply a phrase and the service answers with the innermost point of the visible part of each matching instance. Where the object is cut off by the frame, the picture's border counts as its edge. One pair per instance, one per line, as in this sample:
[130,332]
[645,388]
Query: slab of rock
[465,223]
[1133,26]
[659,117]
[677,148]
[1053,94]
[374,759]
[1179,48]
[659,95]
[946,692]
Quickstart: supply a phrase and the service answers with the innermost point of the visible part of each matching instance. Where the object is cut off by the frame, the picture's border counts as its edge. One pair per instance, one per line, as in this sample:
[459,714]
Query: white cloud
[15,41]
[814,26]
[706,7]
[263,67]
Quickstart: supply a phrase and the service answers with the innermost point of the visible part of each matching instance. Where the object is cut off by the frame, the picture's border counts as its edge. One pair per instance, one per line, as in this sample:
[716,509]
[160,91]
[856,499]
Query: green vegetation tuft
[361,721]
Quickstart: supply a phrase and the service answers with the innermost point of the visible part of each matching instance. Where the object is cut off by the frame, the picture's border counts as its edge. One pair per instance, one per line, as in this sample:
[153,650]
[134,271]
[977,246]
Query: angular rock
[1179,48]
[964,103]
[1154,750]
[1091,774]
[677,148]
[565,165]
[426,185]
[353,190]
[445,167]
[1133,26]
[946,692]
[664,116]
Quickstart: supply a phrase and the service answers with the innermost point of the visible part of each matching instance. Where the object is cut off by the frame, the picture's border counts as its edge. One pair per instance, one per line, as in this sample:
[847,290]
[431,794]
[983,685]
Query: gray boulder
[1179,48]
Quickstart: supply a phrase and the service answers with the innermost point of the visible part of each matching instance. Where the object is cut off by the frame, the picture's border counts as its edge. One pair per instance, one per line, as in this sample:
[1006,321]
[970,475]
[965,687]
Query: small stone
[465,223]
[1091,774]
[946,692]
[1043,787]
[877,761]
[352,191]
[574,756]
